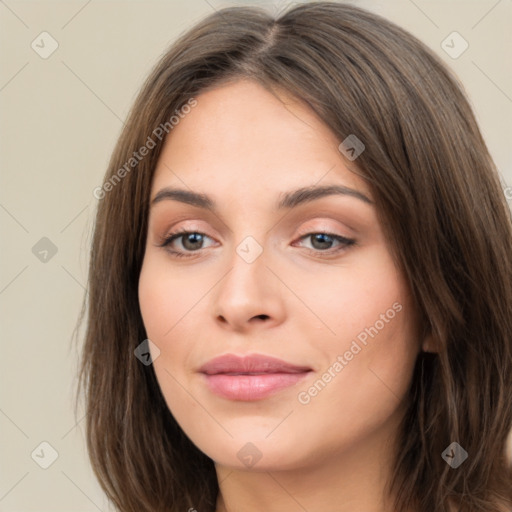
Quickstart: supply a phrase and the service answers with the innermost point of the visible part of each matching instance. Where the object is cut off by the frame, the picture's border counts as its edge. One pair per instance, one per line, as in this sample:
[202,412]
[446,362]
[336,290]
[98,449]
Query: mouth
[250,378]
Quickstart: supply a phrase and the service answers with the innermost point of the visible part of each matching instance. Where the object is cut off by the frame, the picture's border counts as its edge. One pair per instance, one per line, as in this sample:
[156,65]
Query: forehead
[241,135]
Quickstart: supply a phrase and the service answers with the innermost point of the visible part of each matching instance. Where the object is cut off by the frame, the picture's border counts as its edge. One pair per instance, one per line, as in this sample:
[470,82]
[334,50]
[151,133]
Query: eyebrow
[288,199]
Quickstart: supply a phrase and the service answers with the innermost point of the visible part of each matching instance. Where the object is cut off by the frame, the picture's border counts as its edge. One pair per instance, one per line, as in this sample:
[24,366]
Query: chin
[254,451]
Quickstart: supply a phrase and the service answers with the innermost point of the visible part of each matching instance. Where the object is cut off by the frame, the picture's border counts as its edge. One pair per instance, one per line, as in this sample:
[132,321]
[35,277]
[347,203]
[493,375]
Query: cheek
[368,362]
[354,298]
[370,334]
[165,297]
[171,301]
[164,312]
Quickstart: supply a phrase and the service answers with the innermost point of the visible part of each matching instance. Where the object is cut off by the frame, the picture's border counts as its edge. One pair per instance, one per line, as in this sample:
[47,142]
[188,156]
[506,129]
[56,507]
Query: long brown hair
[441,204]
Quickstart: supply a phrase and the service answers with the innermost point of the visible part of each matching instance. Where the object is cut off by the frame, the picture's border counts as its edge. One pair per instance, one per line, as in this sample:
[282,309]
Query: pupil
[321,236]
[190,238]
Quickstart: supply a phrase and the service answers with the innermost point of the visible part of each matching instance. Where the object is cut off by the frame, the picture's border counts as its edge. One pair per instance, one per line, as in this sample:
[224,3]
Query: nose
[249,295]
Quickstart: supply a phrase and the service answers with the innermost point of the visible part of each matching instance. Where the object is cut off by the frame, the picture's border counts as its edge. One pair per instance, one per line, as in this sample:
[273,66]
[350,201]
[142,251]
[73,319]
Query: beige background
[60,119]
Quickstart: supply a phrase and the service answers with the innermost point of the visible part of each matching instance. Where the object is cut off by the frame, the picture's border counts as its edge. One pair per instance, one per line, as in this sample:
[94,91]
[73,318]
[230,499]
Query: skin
[244,147]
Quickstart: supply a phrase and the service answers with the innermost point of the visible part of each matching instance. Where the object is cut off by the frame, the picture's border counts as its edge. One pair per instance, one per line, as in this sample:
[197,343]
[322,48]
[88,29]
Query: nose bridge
[248,290]
[248,271]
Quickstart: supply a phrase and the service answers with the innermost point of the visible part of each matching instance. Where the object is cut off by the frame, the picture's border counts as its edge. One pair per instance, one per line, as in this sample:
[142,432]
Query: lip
[251,377]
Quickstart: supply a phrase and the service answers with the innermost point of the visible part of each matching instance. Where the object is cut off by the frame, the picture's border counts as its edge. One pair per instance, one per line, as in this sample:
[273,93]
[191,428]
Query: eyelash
[346,243]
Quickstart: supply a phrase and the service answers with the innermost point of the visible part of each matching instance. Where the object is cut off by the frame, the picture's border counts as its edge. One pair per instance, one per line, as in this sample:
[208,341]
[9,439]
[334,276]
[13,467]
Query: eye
[322,242]
[191,241]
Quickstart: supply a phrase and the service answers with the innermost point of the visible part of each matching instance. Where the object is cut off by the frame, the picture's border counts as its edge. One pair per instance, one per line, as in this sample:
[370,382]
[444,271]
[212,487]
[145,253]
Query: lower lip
[251,387]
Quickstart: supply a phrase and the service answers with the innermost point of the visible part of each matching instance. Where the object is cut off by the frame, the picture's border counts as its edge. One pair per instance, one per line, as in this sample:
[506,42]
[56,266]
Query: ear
[428,344]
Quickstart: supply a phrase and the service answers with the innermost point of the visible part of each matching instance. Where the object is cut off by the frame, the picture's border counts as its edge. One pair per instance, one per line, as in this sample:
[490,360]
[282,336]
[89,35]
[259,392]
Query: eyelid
[347,218]
[322,228]
[301,232]
[179,233]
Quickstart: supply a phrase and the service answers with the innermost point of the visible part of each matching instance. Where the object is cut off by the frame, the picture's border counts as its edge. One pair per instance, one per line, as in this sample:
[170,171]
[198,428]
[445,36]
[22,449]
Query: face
[310,282]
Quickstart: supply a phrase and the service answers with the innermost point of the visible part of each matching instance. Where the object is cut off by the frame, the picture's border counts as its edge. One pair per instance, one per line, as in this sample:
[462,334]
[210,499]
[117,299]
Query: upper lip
[251,364]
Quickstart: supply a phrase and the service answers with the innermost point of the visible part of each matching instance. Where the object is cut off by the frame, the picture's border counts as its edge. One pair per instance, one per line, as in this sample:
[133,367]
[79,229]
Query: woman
[300,280]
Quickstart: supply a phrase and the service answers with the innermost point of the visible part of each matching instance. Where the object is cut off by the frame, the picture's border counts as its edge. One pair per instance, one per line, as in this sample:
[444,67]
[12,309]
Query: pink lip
[251,377]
